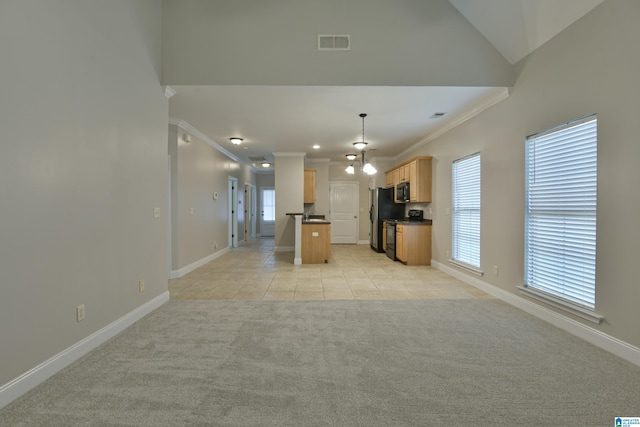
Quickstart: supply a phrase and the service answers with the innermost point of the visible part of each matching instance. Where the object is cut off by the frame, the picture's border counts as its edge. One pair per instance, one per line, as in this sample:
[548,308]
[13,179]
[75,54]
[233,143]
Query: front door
[344,212]
[267,212]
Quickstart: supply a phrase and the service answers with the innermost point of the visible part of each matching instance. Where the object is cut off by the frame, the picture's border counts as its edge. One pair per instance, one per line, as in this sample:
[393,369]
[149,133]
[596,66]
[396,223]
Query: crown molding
[168,91]
[492,99]
[288,154]
[317,160]
[195,132]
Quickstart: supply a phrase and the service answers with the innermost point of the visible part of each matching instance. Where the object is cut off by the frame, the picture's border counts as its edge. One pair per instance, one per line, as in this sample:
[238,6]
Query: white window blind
[466,210]
[560,215]
[269,204]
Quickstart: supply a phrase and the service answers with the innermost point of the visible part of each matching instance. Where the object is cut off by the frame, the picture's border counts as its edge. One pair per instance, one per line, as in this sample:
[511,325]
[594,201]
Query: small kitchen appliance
[415,215]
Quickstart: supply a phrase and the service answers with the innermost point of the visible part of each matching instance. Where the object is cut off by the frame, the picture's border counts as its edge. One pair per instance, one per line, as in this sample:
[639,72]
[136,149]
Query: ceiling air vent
[334,42]
[257,158]
[437,115]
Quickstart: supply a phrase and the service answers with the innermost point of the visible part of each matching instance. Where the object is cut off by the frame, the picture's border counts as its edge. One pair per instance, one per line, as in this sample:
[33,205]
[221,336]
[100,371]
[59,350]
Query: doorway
[249,212]
[267,212]
[233,212]
[344,203]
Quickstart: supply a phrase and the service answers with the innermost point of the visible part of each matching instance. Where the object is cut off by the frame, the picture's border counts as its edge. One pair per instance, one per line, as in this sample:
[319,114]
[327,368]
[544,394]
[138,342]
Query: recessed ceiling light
[236,140]
[315,147]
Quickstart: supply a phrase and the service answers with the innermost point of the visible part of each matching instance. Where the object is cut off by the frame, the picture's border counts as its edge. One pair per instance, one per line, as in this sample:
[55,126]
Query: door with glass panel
[267,212]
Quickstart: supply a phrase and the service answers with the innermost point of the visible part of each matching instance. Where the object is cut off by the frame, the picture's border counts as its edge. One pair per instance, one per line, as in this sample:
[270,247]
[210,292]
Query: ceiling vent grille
[334,42]
[257,158]
[437,115]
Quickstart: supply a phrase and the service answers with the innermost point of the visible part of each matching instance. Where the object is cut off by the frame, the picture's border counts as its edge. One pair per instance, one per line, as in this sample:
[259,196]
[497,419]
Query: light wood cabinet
[316,243]
[309,186]
[413,244]
[384,235]
[390,178]
[400,247]
[417,172]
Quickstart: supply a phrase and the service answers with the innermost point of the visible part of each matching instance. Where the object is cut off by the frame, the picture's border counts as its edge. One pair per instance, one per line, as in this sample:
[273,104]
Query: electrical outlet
[495,270]
[448,254]
[80,313]
[141,286]
[156,212]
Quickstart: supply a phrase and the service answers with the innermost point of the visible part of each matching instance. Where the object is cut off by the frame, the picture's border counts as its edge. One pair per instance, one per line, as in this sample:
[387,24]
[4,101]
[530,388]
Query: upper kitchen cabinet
[417,172]
[391,178]
[309,186]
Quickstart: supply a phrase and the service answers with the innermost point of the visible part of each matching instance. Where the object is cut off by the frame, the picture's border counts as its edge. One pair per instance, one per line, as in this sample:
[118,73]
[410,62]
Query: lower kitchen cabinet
[384,235]
[413,243]
[316,243]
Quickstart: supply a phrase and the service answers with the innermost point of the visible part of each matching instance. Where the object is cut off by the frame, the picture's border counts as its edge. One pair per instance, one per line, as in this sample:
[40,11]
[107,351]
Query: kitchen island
[312,239]
[316,241]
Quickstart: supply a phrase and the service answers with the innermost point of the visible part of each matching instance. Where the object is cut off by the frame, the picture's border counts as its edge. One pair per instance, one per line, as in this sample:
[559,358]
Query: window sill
[468,267]
[574,309]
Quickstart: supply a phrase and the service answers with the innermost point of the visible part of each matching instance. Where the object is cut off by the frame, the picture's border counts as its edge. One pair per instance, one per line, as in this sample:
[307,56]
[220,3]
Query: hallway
[254,272]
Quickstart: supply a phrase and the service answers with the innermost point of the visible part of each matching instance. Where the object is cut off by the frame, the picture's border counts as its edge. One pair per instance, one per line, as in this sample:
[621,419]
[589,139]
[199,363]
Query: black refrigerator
[382,208]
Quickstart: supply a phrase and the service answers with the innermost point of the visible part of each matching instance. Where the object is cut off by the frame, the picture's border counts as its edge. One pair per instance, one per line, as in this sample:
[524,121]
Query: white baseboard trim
[30,379]
[599,339]
[175,274]
[297,261]
[284,249]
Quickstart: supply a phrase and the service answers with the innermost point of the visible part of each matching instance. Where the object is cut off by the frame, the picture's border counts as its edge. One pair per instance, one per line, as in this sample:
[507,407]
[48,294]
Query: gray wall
[198,170]
[392,44]
[592,67]
[289,185]
[83,163]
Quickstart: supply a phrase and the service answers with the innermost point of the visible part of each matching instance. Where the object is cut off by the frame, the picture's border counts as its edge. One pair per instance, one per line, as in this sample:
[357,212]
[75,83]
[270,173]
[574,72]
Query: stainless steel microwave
[402,192]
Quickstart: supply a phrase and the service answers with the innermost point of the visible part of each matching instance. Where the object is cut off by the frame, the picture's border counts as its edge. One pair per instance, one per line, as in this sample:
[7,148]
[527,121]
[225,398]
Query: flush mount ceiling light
[360,146]
[236,141]
[316,147]
[266,164]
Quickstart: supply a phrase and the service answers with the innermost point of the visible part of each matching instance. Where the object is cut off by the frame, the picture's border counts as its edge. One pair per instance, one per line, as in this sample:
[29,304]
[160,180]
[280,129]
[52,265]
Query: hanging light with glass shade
[360,146]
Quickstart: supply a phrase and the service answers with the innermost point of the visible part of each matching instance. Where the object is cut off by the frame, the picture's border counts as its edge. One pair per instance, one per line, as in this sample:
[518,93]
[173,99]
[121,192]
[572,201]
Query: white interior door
[344,212]
[254,209]
[268,212]
[233,212]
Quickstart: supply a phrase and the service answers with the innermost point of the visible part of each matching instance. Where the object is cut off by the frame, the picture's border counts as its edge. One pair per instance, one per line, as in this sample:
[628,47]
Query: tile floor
[254,272]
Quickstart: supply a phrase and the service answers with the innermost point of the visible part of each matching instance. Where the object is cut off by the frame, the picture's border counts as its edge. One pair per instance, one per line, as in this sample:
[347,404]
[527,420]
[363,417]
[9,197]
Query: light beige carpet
[337,363]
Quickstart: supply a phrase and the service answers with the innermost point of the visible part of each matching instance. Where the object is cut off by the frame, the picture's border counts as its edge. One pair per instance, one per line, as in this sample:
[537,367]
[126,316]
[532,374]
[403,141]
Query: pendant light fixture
[360,146]
[350,169]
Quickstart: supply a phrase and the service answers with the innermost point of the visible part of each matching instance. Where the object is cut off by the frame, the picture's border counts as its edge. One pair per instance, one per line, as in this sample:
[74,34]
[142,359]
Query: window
[560,212]
[268,204]
[466,210]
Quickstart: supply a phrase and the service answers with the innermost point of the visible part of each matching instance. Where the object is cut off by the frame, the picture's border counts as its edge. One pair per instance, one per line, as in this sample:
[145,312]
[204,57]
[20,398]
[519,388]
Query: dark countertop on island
[407,222]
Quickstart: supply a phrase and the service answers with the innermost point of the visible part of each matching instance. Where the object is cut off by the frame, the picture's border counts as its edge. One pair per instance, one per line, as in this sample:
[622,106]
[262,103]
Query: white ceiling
[294,118]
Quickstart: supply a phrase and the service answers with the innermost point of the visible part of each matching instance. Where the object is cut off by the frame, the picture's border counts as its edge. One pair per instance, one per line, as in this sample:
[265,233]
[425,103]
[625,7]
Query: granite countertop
[407,222]
[315,221]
